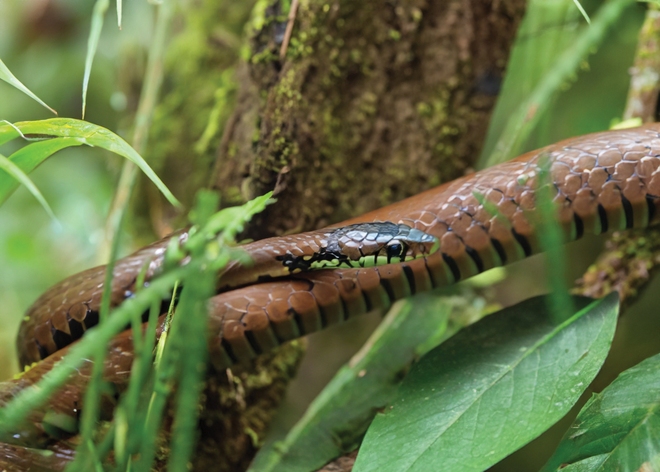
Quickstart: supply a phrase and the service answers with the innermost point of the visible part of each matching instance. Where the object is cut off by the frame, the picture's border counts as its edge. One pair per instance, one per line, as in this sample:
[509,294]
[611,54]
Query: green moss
[258,16]
[283,101]
[416,14]
[218,115]
[254,436]
[265,56]
[434,113]
[340,110]
[233,196]
[625,266]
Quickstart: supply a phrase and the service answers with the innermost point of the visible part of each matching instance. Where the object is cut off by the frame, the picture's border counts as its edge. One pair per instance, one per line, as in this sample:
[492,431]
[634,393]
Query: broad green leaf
[11,169]
[618,429]
[79,132]
[100,7]
[491,389]
[335,422]
[7,76]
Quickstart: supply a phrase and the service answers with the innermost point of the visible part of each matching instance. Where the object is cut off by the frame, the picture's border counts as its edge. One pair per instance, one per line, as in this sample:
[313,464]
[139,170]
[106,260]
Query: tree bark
[374,101]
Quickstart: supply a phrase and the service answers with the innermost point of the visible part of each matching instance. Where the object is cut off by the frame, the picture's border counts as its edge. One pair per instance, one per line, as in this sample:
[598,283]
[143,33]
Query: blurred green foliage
[43,43]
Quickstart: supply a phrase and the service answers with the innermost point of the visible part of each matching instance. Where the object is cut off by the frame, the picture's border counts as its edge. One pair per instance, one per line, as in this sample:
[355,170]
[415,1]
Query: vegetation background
[44,43]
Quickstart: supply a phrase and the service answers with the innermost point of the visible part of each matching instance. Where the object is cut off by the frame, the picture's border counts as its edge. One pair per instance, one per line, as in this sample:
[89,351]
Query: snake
[301,283]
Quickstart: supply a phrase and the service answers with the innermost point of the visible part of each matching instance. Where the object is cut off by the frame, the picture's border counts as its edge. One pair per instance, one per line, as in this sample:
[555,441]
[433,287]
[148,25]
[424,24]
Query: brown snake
[600,182]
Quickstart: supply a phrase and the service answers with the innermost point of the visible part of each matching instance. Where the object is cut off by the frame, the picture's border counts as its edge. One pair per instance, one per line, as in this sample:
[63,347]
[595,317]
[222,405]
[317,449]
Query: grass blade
[100,8]
[119,13]
[29,399]
[584,13]
[7,76]
[14,412]
[503,144]
[88,452]
[14,171]
[27,159]
[143,117]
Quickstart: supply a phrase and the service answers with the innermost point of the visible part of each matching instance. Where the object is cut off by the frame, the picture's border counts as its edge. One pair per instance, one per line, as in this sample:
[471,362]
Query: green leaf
[7,76]
[79,132]
[28,158]
[491,389]
[100,7]
[335,422]
[189,345]
[582,11]
[618,429]
[11,169]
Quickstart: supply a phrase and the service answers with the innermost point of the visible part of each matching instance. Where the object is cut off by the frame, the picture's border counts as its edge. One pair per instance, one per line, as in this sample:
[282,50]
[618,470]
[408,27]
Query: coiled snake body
[599,182]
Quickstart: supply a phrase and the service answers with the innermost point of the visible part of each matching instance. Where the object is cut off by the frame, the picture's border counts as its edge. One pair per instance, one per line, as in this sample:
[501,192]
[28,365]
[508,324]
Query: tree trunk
[372,101]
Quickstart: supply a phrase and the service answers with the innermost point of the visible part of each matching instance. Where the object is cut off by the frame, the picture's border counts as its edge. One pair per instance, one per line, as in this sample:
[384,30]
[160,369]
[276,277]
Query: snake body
[598,182]
[62,314]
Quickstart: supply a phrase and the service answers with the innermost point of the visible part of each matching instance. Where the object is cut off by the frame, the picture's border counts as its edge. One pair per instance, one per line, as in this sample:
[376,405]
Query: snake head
[373,244]
[362,245]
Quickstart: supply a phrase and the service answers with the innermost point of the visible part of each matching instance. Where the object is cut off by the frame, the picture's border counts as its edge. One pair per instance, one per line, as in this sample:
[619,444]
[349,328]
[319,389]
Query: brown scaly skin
[602,182]
[66,402]
[22,458]
[62,314]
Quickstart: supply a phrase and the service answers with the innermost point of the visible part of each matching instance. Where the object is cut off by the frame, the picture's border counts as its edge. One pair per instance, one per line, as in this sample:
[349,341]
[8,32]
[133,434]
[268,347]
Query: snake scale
[599,182]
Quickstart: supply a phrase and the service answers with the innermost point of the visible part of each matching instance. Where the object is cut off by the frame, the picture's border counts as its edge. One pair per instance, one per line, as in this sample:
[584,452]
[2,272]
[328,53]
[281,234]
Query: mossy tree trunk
[373,101]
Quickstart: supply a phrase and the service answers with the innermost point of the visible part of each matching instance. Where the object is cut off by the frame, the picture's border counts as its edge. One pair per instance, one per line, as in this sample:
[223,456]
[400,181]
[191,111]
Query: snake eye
[394,250]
